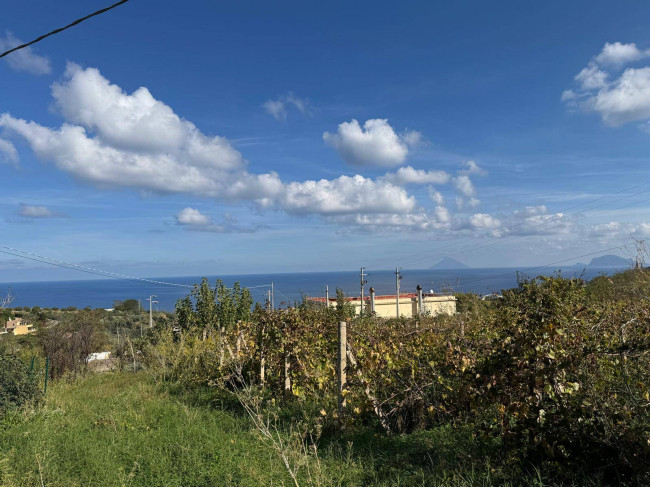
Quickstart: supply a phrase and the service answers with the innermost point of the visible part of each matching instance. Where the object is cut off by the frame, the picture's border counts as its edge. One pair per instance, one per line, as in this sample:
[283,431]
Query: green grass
[122,429]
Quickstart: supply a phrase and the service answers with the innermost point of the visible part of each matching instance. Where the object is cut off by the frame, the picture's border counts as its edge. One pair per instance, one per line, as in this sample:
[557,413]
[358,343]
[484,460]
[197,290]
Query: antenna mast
[363,281]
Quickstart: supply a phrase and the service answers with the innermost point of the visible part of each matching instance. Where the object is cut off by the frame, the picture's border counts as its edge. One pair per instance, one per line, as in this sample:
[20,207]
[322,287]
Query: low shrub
[18,384]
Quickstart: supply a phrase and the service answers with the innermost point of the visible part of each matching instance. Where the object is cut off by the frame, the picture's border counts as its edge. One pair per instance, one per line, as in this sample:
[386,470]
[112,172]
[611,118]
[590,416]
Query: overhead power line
[56,31]
[89,270]
[98,272]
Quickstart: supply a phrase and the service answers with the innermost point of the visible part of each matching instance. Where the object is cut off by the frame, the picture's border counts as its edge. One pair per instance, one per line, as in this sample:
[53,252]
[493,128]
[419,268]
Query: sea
[288,287]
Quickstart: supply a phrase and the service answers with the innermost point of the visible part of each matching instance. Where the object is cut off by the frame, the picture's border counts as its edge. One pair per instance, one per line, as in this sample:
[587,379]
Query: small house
[18,326]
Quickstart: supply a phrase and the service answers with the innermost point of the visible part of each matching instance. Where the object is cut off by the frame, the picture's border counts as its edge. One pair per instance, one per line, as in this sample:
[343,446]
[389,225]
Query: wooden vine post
[287,365]
[262,355]
[287,375]
[342,363]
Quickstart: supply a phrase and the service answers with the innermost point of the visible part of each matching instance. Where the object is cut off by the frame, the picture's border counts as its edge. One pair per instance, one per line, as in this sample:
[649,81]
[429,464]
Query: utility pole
[327,296]
[151,302]
[397,279]
[272,296]
[363,281]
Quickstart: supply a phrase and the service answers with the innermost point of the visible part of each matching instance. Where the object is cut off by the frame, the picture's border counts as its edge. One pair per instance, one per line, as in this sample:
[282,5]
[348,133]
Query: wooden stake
[343,345]
[262,356]
[287,377]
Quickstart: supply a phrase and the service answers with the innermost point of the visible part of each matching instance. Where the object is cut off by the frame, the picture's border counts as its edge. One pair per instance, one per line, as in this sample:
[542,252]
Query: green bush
[18,385]
[567,379]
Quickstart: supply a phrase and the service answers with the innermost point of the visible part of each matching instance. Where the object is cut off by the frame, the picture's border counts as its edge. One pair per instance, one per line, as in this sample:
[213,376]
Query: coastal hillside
[611,261]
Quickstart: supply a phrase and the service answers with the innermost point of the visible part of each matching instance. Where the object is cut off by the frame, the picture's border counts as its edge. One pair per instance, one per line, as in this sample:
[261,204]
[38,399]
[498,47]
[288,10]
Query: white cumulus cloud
[278,108]
[591,77]
[275,108]
[111,138]
[471,167]
[23,59]
[464,186]
[412,138]
[193,219]
[408,175]
[484,221]
[192,216]
[374,144]
[442,214]
[137,121]
[618,97]
[436,196]
[618,53]
[8,152]
[346,195]
[625,100]
[116,139]
[30,211]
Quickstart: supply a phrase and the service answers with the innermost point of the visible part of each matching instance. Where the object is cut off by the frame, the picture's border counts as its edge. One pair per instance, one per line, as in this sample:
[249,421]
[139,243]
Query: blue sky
[244,137]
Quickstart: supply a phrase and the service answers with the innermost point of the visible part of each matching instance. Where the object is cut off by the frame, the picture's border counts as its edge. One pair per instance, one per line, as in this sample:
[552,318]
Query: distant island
[449,263]
[611,260]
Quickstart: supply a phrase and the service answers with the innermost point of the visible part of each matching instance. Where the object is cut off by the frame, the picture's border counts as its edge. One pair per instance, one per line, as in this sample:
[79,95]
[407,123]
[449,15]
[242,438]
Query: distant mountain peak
[449,263]
[610,260]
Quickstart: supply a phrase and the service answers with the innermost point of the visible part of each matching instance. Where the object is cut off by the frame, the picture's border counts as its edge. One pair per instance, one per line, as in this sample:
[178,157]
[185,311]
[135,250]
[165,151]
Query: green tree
[244,304]
[227,307]
[344,309]
[206,305]
[215,307]
[37,316]
[5,315]
[185,313]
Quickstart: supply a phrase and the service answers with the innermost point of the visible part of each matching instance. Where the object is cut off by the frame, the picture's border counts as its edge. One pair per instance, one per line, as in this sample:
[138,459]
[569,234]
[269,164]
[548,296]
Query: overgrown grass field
[123,429]
[120,429]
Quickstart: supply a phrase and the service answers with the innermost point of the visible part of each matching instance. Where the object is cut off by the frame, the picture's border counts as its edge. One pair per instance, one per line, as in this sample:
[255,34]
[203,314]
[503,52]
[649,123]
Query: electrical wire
[89,270]
[289,300]
[56,31]
[99,272]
